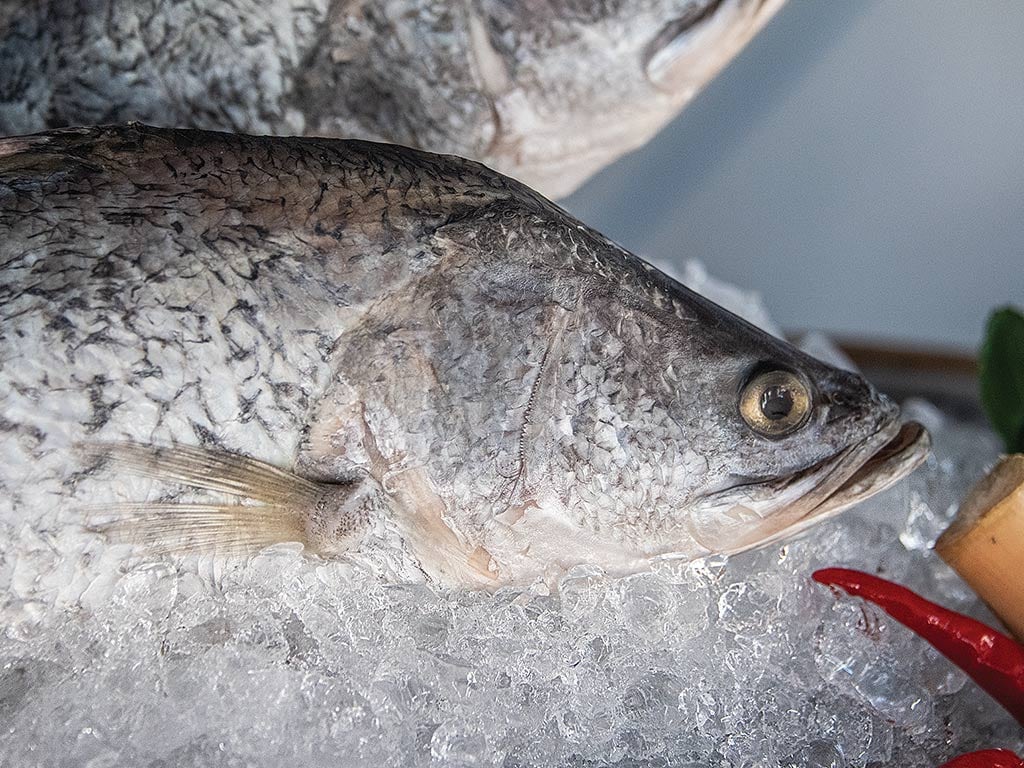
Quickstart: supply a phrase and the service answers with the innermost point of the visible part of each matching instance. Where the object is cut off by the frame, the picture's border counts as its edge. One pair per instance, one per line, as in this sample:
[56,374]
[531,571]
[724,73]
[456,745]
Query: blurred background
[860,164]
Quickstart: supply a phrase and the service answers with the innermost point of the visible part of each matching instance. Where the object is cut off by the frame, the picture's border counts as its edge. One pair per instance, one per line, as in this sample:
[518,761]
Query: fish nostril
[840,404]
[836,410]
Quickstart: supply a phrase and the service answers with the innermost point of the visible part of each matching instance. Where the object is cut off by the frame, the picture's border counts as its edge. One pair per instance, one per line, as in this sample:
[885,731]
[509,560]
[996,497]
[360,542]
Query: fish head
[794,440]
[577,84]
[556,400]
[679,428]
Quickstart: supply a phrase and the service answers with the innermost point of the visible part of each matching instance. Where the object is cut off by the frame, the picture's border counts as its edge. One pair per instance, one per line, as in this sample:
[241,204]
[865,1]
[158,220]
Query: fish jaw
[883,468]
[696,54]
[813,495]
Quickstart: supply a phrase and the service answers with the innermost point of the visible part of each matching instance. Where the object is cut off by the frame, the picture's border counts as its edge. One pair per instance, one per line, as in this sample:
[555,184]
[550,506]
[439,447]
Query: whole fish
[395,357]
[548,91]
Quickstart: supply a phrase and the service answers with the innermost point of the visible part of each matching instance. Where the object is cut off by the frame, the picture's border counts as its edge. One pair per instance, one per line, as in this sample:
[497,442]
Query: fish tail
[268,506]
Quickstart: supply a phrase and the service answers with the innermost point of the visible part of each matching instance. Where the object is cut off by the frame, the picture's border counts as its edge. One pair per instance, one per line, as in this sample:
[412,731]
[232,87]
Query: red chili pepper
[994,660]
[986,758]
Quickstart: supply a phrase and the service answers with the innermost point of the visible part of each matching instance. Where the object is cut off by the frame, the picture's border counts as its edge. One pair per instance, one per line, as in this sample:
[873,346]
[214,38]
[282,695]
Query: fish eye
[775,403]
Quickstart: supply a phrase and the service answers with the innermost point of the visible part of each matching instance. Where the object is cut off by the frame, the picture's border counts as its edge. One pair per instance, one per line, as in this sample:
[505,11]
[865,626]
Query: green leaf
[1002,376]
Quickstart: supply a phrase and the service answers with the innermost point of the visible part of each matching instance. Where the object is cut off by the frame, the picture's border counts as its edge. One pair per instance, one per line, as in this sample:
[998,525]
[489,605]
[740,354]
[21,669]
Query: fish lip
[883,460]
[869,467]
[773,511]
[847,477]
[661,53]
[859,471]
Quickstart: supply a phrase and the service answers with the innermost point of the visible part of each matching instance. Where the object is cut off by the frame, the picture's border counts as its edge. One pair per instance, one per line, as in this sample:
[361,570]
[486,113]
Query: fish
[403,361]
[546,91]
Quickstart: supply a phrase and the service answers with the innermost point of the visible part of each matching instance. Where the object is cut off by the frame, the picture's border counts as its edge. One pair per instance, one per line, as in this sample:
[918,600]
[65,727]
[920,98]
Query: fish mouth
[689,50]
[859,472]
[821,490]
[876,468]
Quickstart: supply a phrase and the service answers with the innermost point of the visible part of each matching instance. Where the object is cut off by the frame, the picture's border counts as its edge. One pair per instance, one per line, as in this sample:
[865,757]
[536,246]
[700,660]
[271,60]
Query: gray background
[861,164]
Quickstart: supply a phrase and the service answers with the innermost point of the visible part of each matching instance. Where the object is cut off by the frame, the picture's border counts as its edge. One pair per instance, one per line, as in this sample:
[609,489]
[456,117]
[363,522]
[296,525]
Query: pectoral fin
[224,529]
[200,468]
[269,505]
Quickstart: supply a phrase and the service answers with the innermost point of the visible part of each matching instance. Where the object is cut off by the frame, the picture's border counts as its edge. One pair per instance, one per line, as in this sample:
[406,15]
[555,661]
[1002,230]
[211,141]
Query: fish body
[396,357]
[548,91]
